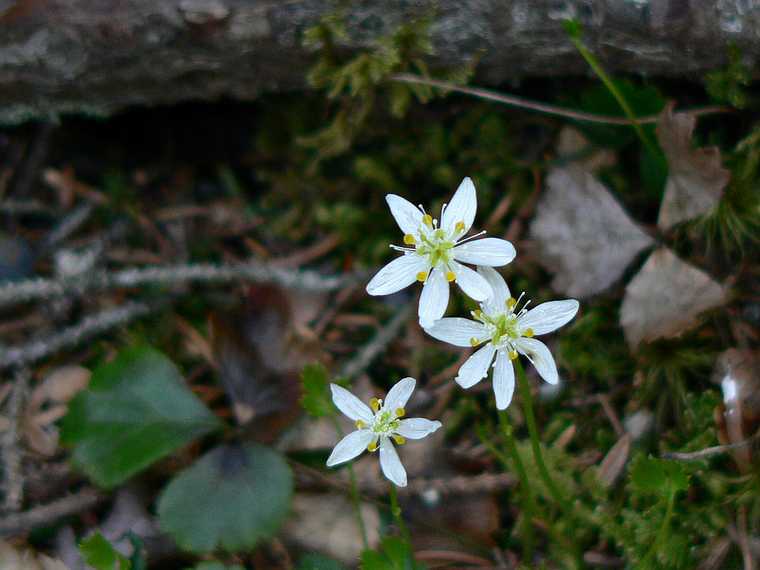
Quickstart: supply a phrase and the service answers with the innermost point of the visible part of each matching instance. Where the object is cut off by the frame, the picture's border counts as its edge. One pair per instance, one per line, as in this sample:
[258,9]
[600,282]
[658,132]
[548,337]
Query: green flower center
[386,422]
[502,327]
[436,246]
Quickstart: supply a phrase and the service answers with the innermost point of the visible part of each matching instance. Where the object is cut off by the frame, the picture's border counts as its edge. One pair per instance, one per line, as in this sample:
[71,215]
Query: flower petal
[434,298]
[457,331]
[350,446]
[476,367]
[503,380]
[407,215]
[491,251]
[462,208]
[399,394]
[548,317]
[350,405]
[391,464]
[471,282]
[496,303]
[399,273]
[417,428]
[541,358]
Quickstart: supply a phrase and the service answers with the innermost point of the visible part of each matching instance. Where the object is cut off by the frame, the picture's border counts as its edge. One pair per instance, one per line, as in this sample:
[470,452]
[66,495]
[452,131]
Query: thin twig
[544,107]
[13,477]
[89,327]
[40,288]
[371,350]
[710,451]
[17,523]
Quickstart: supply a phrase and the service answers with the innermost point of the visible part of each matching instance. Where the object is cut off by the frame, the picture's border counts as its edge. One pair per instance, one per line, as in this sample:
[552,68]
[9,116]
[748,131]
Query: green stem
[535,442]
[397,516]
[662,535]
[529,499]
[355,498]
[610,85]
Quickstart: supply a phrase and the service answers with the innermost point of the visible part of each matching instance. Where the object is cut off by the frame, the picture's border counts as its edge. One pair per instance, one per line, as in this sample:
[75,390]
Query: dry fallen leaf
[665,298]
[584,236]
[696,177]
[613,463]
[14,559]
[572,145]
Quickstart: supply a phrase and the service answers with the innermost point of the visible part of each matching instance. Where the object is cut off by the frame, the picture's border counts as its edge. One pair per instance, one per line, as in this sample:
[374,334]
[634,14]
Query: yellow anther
[400,412]
[374,403]
[474,342]
[360,424]
[399,439]
[422,276]
[427,219]
[460,226]
[372,446]
[450,276]
[477,313]
[513,355]
[409,239]
[528,332]
[511,302]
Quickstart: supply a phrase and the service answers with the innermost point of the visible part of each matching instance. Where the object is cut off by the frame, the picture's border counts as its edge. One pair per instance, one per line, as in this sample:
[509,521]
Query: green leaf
[101,555]
[316,395]
[394,554]
[230,498]
[319,562]
[658,476]
[135,411]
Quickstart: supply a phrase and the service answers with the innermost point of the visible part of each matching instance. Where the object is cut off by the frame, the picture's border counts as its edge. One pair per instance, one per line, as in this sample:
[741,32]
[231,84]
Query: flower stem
[397,515]
[355,498]
[535,441]
[662,535]
[528,498]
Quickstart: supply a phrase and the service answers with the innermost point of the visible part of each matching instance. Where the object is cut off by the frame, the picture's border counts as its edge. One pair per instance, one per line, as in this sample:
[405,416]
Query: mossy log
[99,56]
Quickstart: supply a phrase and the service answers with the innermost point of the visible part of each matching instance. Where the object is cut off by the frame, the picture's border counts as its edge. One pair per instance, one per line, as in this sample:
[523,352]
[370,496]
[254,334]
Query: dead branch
[13,480]
[17,523]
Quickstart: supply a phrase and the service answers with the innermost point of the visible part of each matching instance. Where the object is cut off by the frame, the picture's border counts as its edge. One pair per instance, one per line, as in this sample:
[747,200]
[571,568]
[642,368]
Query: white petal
[493,252]
[471,282]
[496,303]
[540,356]
[503,380]
[457,331]
[350,446]
[407,215]
[350,405]
[549,316]
[462,208]
[417,428]
[476,367]
[391,464]
[399,273]
[399,394]
[434,298]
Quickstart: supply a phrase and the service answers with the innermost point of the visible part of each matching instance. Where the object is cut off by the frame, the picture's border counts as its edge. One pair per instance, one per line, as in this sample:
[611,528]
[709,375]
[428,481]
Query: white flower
[507,332]
[376,427]
[434,253]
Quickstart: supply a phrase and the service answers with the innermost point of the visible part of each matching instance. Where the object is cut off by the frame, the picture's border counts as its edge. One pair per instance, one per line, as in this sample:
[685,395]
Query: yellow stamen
[374,403]
[360,424]
[477,313]
[427,219]
[474,342]
[422,276]
[399,439]
[450,276]
[528,332]
[400,412]
[513,355]
[372,446]
[511,302]
[460,226]
[409,239]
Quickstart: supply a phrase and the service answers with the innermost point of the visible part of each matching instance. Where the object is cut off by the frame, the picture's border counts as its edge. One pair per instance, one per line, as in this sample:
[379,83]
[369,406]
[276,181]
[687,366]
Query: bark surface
[99,56]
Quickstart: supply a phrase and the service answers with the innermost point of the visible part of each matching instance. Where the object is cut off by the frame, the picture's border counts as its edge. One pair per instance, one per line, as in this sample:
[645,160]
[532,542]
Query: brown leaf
[665,298]
[615,460]
[696,176]
[572,145]
[584,236]
[16,559]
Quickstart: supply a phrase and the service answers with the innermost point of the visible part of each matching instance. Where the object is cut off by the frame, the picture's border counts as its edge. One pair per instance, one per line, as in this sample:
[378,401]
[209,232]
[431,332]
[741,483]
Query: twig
[709,451]
[89,327]
[13,480]
[17,523]
[68,225]
[40,288]
[544,107]
[21,207]
[373,348]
